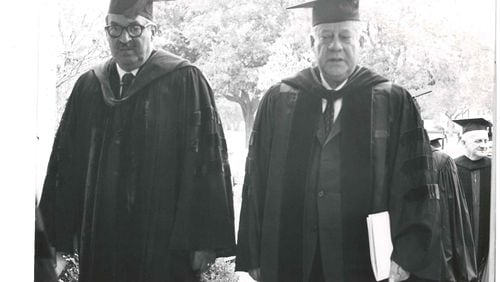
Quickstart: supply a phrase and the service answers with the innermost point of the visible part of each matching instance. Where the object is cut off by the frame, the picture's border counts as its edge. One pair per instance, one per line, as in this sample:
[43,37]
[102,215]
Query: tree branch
[233,98]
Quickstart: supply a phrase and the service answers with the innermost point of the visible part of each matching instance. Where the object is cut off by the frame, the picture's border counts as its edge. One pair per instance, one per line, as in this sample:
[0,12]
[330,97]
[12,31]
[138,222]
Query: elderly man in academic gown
[474,169]
[459,254]
[138,180]
[320,161]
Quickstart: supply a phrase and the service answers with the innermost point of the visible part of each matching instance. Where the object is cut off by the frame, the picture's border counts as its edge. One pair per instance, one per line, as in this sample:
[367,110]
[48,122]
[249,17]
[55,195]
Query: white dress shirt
[122,72]
[337,104]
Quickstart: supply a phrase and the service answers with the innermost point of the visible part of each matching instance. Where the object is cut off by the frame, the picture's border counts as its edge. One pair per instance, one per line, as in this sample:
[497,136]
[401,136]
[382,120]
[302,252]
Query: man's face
[336,48]
[129,53]
[476,144]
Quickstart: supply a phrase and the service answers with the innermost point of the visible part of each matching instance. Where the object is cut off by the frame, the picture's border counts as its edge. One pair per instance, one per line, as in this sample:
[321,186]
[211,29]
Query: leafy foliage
[221,271]
[81,45]
[70,273]
[425,51]
[235,39]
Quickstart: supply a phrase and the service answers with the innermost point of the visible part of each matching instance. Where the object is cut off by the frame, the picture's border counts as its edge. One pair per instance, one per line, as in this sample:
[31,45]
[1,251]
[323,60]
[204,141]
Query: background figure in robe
[459,256]
[138,180]
[474,169]
[331,145]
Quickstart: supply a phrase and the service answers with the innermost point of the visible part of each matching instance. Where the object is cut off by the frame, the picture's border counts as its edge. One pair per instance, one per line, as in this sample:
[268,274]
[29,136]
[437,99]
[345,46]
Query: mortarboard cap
[437,142]
[434,136]
[471,124]
[133,8]
[474,124]
[331,11]
[435,133]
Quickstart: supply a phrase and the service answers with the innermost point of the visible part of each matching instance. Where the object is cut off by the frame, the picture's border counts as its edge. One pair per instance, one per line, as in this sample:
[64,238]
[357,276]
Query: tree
[81,44]
[240,35]
[230,41]
[424,52]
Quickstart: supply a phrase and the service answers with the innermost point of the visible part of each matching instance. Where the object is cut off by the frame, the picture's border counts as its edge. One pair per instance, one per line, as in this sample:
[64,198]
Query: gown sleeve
[413,191]
[205,215]
[61,200]
[254,187]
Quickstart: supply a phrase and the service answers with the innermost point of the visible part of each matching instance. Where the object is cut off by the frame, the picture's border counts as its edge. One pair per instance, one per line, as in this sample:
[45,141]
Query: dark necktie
[328,114]
[125,83]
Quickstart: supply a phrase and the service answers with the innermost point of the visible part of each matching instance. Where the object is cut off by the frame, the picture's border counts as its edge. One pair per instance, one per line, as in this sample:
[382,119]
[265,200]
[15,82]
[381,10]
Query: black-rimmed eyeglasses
[134,30]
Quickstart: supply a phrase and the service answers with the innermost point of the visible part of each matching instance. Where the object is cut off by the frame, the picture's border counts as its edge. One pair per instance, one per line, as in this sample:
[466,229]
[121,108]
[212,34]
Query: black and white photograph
[256,140]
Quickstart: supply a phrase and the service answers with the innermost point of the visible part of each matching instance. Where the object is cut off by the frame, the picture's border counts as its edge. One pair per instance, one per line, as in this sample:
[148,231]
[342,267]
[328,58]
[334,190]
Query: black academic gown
[142,181]
[459,255]
[475,177]
[387,166]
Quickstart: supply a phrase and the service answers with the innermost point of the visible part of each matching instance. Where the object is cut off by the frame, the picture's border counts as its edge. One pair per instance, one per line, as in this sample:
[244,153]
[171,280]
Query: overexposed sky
[477,17]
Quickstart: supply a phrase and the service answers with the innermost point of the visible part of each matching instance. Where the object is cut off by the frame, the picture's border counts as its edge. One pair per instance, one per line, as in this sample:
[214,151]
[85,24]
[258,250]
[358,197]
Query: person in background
[138,181]
[459,256]
[474,170]
[330,146]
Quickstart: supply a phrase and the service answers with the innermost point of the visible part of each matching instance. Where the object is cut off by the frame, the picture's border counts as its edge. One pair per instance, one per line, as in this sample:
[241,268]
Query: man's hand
[202,260]
[397,273]
[60,263]
[255,274]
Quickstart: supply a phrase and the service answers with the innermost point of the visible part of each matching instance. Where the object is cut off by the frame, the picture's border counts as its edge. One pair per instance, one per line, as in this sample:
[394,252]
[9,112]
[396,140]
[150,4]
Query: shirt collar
[122,72]
[327,85]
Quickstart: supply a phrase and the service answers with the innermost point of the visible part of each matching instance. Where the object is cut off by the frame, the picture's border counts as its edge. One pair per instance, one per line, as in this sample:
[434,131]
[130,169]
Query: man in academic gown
[474,169]
[459,255]
[138,180]
[320,161]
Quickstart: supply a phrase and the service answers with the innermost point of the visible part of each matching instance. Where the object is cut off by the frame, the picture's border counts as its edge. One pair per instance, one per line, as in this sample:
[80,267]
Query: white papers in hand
[379,236]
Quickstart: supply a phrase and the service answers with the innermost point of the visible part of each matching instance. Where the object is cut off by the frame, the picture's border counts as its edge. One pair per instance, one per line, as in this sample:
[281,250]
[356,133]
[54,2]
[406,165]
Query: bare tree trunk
[248,107]
[248,117]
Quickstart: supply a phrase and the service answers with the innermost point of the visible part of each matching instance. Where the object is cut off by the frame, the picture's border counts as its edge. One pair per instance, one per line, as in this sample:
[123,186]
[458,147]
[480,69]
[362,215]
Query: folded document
[379,236]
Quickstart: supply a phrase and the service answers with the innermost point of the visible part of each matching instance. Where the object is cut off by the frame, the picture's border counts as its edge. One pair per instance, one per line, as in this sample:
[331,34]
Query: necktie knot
[127,79]
[125,83]
[328,114]
[332,95]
